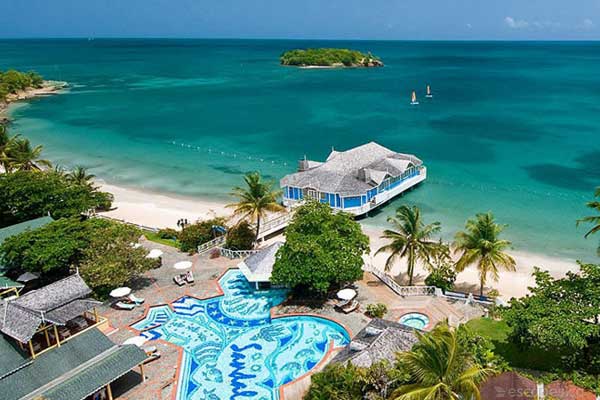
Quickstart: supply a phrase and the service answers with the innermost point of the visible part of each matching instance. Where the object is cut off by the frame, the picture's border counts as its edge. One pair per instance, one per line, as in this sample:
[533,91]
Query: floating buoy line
[240,156]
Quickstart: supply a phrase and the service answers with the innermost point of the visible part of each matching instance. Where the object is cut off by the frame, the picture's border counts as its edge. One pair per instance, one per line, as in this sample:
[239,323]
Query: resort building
[355,181]
[258,267]
[51,347]
[379,340]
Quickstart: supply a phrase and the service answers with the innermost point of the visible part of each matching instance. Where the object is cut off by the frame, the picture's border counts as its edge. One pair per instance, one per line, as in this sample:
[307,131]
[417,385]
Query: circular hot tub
[414,320]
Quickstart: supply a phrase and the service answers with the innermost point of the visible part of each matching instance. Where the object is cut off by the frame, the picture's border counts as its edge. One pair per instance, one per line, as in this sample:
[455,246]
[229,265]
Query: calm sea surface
[513,128]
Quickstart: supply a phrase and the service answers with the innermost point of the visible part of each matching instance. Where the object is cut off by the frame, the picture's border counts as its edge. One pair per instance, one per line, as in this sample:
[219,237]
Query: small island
[329,58]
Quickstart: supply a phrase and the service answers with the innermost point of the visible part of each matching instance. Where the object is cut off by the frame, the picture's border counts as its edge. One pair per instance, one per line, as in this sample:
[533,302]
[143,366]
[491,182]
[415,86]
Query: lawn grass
[526,358]
[153,237]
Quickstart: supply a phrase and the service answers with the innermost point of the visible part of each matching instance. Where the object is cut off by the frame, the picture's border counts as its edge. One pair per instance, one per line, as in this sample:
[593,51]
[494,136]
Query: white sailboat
[429,95]
[413,99]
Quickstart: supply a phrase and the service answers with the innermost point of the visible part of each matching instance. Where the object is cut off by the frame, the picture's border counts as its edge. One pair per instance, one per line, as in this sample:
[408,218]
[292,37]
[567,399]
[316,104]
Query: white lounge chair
[179,279]
[124,306]
[189,277]
[136,300]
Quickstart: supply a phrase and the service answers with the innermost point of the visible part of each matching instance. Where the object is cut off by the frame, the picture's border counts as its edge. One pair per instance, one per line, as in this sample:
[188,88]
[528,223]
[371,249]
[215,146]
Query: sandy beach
[161,210]
[48,88]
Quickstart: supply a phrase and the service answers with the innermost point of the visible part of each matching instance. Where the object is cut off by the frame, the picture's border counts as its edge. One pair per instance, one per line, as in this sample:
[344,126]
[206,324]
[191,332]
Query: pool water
[233,349]
[415,320]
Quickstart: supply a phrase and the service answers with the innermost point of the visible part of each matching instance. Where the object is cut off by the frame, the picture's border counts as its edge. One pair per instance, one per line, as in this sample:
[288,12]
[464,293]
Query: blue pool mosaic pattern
[233,349]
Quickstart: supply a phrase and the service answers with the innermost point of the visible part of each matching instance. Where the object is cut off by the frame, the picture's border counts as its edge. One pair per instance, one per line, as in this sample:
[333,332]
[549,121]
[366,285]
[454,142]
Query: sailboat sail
[413,99]
[429,95]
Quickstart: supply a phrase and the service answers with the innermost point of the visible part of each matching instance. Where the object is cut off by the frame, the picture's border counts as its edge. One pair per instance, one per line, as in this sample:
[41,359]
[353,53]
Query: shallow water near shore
[512,128]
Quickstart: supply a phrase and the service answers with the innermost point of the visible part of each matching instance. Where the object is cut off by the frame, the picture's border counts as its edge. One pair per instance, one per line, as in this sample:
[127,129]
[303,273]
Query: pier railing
[273,225]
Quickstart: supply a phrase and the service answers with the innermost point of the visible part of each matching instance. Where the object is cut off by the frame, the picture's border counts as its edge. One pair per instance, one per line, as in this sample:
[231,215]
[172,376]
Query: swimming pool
[233,349]
[415,320]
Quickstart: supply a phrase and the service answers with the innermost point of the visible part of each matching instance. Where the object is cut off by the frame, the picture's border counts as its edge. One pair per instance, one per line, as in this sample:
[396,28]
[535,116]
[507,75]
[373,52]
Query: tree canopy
[561,315]
[26,195]
[326,57]
[53,248]
[322,249]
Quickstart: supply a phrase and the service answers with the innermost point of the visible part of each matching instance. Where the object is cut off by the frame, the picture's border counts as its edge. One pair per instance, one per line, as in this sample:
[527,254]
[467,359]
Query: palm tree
[22,157]
[593,219]
[411,239]
[441,368]
[480,244]
[255,200]
[6,142]
[80,176]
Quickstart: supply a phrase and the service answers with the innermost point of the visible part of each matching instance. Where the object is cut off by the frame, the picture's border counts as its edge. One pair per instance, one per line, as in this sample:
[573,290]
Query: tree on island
[561,316]
[13,81]
[255,200]
[410,239]
[480,244]
[593,219]
[441,368]
[322,250]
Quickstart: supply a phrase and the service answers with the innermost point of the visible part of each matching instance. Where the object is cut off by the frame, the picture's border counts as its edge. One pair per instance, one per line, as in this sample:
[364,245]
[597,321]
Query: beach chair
[352,306]
[124,306]
[189,277]
[341,304]
[179,279]
[136,300]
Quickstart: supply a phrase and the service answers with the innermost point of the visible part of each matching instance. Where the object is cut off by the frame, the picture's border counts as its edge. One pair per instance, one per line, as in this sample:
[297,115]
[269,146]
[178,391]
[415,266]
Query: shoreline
[49,88]
[161,210]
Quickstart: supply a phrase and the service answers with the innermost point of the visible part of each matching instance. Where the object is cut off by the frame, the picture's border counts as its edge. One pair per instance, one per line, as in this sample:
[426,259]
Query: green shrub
[442,276]
[168,233]
[376,310]
[240,237]
[198,233]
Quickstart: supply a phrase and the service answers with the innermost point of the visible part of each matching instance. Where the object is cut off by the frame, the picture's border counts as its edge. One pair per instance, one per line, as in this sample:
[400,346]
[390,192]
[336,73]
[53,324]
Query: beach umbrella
[346,294]
[27,277]
[137,340]
[154,253]
[183,265]
[120,292]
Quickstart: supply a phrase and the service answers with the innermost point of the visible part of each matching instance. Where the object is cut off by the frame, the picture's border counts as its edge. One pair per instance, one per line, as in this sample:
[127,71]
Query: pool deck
[157,287]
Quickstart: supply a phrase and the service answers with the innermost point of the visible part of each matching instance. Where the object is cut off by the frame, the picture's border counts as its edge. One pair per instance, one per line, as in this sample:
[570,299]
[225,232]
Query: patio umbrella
[154,253]
[346,294]
[120,292]
[183,265]
[137,340]
[27,277]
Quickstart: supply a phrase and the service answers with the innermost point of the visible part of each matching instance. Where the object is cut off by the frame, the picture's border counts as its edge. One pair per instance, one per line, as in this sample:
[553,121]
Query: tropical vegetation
[240,236]
[480,245]
[411,238]
[322,250]
[25,195]
[446,363]
[441,367]
[99,248]
[17,153]
[255,200]
[377,310]
[193,235]
[13,81]
[594,220]
[326,57]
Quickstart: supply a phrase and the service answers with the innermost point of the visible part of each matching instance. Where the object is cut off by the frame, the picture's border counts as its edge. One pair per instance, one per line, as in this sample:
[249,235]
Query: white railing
[232,254]
[274,224]
[216,242]
[404,291]
[142,227]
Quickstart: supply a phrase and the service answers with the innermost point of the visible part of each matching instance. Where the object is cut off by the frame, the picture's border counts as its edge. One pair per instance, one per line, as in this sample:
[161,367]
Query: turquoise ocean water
[513,127]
